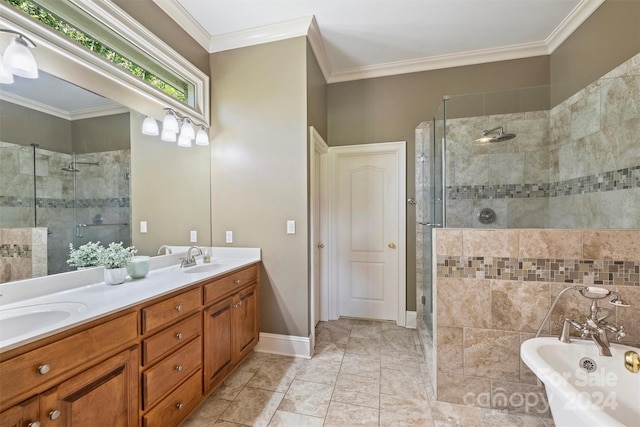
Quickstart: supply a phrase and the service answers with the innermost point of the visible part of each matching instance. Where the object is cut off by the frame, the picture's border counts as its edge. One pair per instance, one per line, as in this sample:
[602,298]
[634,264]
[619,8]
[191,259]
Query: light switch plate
[143,226]
[193,236]
[291,227]
[229,236]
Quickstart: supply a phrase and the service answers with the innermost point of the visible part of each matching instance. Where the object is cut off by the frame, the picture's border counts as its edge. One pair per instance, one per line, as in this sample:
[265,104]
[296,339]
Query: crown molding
[317,45]
[184,19]
[441,61]
[578,15]
[259,35]
[86,113]
[309,27]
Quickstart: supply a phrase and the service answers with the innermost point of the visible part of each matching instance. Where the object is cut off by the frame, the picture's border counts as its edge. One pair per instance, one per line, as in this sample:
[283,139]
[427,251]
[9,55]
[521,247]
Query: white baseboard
[411,320]
[285,345]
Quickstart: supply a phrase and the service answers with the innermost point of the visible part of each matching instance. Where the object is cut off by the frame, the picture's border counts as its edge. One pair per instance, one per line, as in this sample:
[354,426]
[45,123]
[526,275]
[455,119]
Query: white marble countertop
[86,297]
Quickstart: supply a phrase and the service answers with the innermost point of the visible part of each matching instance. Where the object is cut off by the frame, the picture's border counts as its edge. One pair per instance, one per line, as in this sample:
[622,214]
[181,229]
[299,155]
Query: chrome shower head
[70,168]
[487,136]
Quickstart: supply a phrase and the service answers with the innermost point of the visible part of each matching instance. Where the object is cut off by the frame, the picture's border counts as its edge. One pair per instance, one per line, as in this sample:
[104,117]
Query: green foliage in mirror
[72,32]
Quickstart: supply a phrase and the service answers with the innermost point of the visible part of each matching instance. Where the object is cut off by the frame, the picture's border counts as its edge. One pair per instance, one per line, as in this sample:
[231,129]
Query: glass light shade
[186,130]
[170,123]
[168,136]
[201,137]
[150,126]
[184,142]
[5,76]
[19,60]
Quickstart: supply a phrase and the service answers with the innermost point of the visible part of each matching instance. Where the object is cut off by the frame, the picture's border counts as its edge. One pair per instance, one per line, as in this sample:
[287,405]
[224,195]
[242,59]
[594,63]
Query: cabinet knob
[179,335]
[180,406]
[236,305]
[180,308]
[44,369]
[55,414]
[179,368]
[237,282]
[34,424]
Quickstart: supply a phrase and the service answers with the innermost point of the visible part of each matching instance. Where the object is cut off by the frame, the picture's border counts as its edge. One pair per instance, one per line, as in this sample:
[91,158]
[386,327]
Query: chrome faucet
[190,260]
[596,325]
[165,248]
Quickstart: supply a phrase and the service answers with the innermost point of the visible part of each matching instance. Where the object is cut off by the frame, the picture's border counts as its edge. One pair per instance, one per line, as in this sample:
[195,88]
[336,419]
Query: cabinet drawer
[161,378]
[226,285]
[164,312]
[176,406]
[169,339]
[32,371]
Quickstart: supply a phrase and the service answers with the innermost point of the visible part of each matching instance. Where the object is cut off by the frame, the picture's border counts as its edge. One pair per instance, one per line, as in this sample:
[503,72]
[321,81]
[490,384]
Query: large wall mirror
[75,167]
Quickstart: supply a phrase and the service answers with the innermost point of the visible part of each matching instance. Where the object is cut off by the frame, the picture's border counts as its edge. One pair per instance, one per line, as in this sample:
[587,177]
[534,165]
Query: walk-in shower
[77,198]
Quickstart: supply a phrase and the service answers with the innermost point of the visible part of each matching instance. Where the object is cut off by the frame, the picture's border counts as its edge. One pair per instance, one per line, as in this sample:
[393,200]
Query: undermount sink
[19,321]
[204,268]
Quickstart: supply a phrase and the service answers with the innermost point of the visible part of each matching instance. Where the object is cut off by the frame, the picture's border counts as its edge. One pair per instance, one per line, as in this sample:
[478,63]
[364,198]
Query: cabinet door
[105,395]
[218,342]
[25,414]
[245,313]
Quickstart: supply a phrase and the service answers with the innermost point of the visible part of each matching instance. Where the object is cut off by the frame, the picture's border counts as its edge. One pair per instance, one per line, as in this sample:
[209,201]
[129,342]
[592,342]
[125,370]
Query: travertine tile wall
[481,321]
[575,166]
[23,253]
[101,190]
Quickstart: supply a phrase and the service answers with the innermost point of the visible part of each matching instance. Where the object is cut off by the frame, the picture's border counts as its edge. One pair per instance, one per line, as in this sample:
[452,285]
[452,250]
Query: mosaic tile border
[15,251]
[27,202]
[621,179]
[581,271]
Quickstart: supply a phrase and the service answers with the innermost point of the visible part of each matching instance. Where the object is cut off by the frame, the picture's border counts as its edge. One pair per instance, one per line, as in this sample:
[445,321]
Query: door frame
[317,148]
[332,293]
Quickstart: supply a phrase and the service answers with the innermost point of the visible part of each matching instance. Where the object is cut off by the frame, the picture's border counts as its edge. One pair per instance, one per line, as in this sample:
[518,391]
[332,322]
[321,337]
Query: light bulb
[201,137]
[170,123]
[19,60]
[150,126]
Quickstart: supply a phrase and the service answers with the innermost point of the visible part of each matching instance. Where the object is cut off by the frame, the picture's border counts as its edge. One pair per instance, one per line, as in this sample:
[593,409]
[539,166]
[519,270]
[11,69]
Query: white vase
[115,276]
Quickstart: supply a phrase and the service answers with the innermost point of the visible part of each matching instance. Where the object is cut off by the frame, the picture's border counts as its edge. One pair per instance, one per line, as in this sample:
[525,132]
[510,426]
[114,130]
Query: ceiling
[355,39]
[57,97]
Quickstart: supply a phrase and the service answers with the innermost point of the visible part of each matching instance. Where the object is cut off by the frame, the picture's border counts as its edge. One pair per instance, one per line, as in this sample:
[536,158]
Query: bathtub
[584,388]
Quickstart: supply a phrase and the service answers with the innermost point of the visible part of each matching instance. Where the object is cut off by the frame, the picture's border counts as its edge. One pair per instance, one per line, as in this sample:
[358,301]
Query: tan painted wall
[609,37]
[389,109]
[169,189]
[316,95]
[259,170]
[16,126]
[106,133]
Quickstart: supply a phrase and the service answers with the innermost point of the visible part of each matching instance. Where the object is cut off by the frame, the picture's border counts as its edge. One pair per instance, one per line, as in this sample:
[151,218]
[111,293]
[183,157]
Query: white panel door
[367,216]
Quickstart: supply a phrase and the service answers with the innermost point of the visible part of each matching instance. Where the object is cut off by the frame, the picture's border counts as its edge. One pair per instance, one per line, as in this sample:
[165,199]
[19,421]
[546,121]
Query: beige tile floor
[363,373]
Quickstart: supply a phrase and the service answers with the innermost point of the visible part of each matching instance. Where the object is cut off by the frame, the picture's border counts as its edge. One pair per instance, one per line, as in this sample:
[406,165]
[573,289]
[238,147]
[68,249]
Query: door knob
[392,245]
[320,245]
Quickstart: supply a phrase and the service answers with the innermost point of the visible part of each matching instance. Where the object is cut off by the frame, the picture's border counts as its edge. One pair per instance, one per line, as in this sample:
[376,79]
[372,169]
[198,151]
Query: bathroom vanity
[148,363]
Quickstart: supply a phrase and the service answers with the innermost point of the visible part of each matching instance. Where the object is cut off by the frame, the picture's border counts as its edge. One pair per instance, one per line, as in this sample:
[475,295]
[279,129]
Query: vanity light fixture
[176,126]
[150,126]
[201,137]
[170,122]
[18,59]
[186,131]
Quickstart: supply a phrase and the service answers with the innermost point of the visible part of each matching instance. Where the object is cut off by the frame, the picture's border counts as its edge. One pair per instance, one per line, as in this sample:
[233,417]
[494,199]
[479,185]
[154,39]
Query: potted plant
[86,256]
[115,258]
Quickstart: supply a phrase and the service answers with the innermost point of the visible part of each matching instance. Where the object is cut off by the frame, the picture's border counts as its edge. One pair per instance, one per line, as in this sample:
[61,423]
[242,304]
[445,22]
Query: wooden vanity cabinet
[230,324]
[170,371]
[151,366]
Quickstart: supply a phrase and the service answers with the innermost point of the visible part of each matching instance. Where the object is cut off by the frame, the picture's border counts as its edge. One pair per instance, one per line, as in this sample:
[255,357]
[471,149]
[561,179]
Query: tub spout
[599,337]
